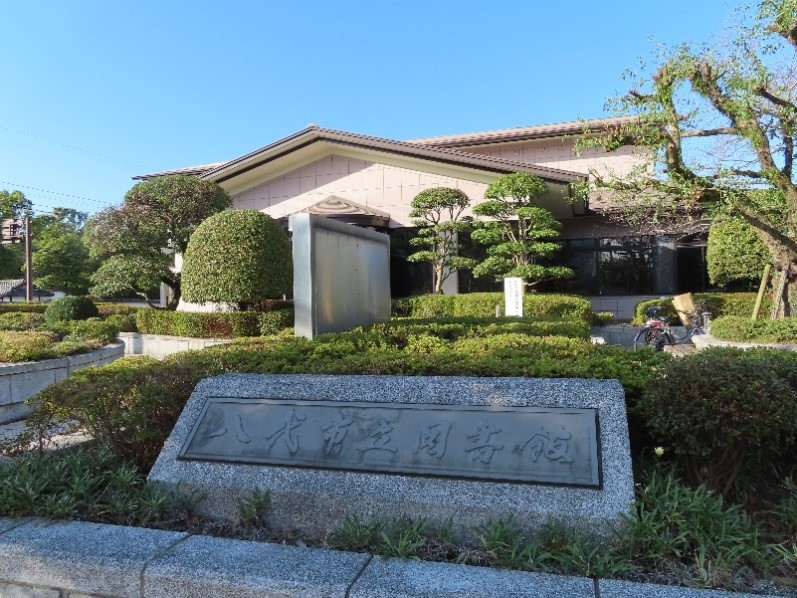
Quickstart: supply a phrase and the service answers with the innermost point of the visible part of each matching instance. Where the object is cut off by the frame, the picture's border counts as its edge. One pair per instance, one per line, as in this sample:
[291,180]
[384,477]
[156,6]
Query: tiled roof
[189,170]
[314,134]
[576,127]
[9,285]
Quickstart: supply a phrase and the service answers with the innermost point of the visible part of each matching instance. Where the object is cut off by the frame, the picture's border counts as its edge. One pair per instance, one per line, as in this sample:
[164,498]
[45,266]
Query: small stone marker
[514,289]
[467,450]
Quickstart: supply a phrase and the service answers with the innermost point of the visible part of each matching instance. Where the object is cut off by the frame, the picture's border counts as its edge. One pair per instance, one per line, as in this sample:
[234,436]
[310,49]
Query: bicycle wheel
[644,338]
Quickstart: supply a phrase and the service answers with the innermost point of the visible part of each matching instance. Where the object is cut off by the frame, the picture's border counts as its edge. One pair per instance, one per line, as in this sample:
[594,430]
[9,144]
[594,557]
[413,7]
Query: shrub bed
[133,403]
[741,329]
[719,304]
[213,325]
[482,305]
[57,340]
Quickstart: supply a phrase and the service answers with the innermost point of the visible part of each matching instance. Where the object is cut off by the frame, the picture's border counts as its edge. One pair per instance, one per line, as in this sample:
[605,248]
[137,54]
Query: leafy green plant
[358,535]
[240,256]
[691,526]
[89,483]
[506,547]
[70,308]
[438,214]
[402,538]
[721,408]
[253,509]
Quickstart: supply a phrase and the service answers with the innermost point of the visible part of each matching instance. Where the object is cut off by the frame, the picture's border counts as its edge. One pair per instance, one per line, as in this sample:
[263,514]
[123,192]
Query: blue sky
[94,92]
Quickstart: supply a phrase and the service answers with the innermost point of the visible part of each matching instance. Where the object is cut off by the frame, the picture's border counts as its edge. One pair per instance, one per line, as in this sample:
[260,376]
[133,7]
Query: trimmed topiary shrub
[735,252]
[239,256]
[721,408]
[70,308]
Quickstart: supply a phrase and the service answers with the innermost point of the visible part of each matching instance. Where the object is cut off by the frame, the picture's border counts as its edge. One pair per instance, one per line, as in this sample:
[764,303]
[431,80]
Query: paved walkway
[680,350]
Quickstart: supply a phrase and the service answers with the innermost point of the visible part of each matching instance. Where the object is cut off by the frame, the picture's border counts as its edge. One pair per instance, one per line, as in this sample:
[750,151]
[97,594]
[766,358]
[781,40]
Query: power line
[74,147]
[104,203]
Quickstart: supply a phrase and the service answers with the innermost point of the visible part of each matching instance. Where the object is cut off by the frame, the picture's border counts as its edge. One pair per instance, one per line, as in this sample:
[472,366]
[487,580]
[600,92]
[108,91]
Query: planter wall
[20,381]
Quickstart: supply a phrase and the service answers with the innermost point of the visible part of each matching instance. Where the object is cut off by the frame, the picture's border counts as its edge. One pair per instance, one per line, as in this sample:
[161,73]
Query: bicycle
[656,332]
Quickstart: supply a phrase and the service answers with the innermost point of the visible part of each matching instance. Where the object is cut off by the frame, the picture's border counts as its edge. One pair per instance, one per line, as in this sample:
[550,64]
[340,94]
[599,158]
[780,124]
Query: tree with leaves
[137,240]
[519,235]
[61,259]
[719,122]
[437,213]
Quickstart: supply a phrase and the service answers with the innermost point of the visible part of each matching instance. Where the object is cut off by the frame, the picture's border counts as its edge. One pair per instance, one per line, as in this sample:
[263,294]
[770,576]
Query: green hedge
[482,305]
[24,307]
[719,304]
[213,325]
[721,409]
[451,328]
[741,329]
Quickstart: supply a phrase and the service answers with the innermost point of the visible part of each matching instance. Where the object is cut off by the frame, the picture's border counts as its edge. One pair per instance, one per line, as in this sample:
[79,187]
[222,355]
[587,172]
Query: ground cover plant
[681,531]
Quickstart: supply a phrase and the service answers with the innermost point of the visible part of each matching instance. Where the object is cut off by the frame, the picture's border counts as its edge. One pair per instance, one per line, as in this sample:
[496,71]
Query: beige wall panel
[379,186]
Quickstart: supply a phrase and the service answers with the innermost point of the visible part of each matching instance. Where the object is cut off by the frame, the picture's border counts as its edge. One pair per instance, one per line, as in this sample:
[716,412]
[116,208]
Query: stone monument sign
[443,448]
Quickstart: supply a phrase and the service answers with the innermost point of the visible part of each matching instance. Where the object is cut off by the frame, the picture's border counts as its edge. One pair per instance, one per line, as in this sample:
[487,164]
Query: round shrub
[70,308]
[239,256]
[721,408]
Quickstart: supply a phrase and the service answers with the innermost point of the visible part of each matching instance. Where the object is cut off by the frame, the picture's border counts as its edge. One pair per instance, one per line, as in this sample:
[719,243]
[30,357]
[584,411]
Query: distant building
[371,181]
[10,231]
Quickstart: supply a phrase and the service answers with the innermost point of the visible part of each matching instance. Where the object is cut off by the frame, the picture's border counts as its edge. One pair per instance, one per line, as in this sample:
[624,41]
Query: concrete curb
[159,345]
[20,381]
[702,341]
[76,559]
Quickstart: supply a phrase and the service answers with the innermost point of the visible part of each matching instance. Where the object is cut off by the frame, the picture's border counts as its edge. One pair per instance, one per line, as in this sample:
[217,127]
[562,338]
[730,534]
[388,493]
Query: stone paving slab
[612,588]
[397,578]
[8,590]
[207,566]
[80,556]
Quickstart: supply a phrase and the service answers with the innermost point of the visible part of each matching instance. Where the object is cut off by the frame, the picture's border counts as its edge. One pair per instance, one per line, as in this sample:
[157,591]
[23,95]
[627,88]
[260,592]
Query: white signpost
[513,296]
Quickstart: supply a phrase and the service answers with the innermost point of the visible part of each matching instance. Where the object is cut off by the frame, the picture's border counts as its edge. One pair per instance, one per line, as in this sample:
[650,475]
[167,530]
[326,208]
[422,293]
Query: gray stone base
[317,501]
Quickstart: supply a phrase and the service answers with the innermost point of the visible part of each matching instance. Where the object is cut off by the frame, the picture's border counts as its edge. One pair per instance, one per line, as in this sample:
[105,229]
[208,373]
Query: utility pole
[28,259]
